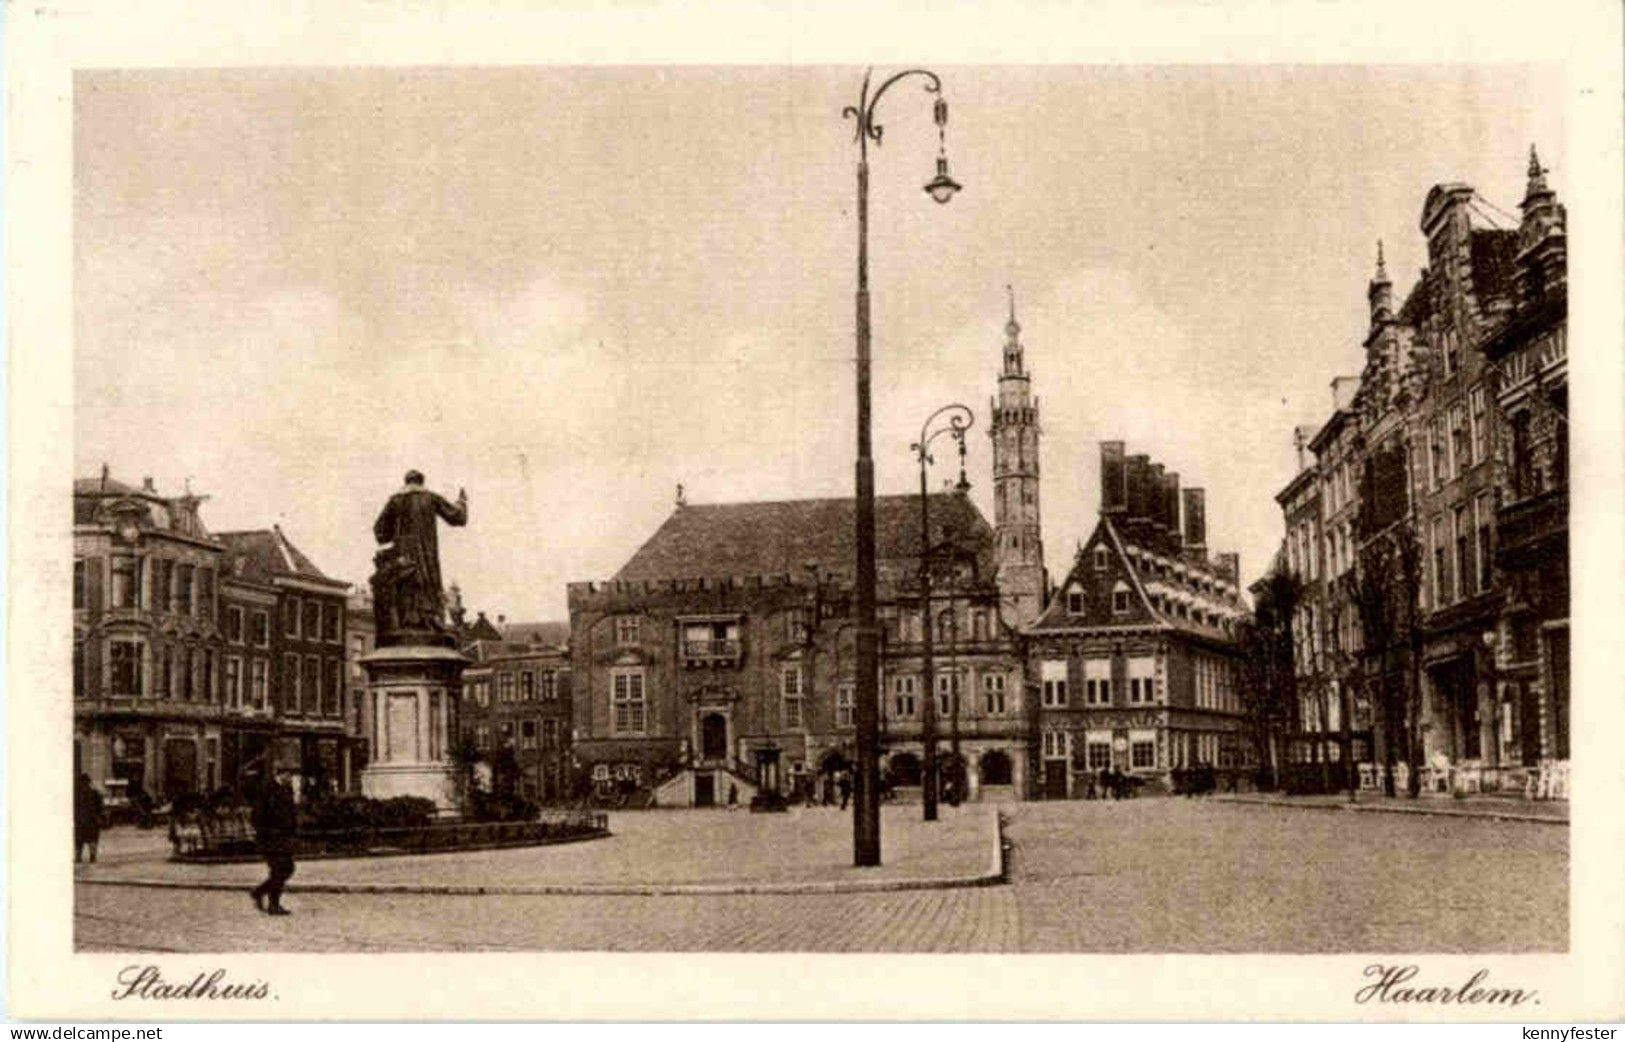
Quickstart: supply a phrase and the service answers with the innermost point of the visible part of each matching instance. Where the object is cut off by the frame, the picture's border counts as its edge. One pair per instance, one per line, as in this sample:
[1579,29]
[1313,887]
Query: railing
[711,650]
[228,835]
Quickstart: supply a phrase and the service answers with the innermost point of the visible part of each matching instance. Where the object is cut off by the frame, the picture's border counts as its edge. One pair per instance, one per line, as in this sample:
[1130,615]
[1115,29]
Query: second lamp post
[954,421]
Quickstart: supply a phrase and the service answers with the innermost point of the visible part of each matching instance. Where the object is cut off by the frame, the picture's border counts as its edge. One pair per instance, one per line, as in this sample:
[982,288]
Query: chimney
[1170,504]
[1196,521]
[1113,478]
[1157,497]
[1139,477]
[104,477]
[1230,567]
[146,485]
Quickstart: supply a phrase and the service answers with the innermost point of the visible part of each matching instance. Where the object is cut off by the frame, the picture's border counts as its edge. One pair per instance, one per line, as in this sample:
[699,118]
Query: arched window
[995,767]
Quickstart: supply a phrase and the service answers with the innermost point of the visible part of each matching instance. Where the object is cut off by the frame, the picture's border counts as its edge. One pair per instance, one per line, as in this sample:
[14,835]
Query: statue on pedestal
[407,597]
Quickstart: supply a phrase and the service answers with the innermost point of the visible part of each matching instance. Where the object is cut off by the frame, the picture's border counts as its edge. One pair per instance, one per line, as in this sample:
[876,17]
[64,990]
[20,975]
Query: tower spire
[1382,268]
[1012,339]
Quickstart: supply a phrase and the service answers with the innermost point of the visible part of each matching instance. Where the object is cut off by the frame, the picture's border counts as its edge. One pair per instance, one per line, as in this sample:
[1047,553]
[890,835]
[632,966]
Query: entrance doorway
[705,790]
[180,767]
[713,737]
[1055,772]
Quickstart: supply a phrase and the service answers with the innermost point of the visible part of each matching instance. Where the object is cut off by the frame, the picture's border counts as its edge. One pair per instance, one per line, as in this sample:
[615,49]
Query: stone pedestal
[411,722]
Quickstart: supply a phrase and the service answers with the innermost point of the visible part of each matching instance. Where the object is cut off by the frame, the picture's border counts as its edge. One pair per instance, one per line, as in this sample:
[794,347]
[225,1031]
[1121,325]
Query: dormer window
[1120,599]
[1074,602]
[1100,558]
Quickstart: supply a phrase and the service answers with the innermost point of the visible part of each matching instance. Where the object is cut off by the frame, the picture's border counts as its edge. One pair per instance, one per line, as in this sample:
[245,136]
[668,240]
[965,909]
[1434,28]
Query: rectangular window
[627,630]
[845,705]
[504,686]
[290,684]
[627,699]
[527,686]
[550,685]
[79,690]
[80,598]
[126,662]
[993,693]
[1054,679]
[1484,519]
[1441,564]
[527,734]
[333,695]
[1465,570]
[796,629]
[1142,754]
[163,580]
[234,682]
[790,692]
[310,687]
[290,617]
[1120,600]
[1142,680]
[234,624]
[1452,356]
[1479,423]
[1074,602]
[550,734]
[259,629]
[1097,681]
[259,683]
[1056,745]
[1441,465]
[1101,558]
[313,620]
[330,623]
[205,593]
[1461,448]
[903,697]
[126,582]
[482,736]
[1098,753]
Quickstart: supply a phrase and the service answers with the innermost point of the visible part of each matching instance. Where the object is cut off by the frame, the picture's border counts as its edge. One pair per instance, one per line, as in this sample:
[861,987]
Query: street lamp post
[866,812]
[955,421]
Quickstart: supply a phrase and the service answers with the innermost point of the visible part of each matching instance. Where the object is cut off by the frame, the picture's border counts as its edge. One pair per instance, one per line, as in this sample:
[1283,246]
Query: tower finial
[1534,163]
[1382,267]
[1011,327]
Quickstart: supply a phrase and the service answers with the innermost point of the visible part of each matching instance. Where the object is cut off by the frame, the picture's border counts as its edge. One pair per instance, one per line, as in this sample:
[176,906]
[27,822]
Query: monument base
[412,695]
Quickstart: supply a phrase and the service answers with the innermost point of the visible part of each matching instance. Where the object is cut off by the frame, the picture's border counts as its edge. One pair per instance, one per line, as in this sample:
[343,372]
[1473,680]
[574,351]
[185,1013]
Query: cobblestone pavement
[1183,875]
[646,847]
[1470,806]
[1140,875]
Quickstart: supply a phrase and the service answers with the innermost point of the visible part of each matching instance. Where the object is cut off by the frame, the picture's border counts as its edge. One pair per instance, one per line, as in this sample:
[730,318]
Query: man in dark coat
[275,821]
[408,524]
[87,818]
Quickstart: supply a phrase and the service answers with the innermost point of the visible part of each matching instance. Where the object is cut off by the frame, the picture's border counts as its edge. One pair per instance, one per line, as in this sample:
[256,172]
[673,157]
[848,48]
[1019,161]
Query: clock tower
[1018,546]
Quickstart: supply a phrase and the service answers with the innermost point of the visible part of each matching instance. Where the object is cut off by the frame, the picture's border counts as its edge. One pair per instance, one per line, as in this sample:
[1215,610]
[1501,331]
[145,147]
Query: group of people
[275,819]
[1112,784]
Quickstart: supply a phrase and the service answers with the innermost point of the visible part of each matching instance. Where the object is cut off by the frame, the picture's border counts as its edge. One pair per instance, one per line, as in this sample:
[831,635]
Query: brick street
[1150,875]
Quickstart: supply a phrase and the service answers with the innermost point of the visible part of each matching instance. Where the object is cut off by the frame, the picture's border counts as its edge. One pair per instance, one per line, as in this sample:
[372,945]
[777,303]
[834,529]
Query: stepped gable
[784,537]
[1494,260]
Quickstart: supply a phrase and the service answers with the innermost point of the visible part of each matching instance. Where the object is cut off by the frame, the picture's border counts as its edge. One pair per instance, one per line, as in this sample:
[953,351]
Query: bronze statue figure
[408,599]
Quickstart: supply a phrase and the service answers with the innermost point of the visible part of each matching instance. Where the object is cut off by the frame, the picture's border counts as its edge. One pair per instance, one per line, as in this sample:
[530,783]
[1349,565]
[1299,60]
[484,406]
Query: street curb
[993,876]
[1442,812]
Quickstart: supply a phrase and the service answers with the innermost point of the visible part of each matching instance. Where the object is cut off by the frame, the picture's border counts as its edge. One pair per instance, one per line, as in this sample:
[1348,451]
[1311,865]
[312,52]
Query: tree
[465,756]
[1385,589]
[1269,663]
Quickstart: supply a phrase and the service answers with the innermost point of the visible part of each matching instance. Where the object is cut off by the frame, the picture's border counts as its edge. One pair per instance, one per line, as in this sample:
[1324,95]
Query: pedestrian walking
[733,795]
[275,821]
[87,819]
[846,789]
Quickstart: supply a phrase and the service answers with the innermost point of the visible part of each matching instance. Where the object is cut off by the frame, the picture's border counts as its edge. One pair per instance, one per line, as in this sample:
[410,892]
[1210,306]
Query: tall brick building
[1134,660]
[1457,439]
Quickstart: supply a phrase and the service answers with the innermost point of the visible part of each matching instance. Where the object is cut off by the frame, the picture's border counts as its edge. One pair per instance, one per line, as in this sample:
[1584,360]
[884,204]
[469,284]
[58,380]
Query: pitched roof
[549,634]
[267,554]
[716,539]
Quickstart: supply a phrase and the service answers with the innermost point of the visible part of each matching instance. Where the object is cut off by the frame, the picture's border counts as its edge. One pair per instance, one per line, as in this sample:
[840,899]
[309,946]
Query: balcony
[1524,529]
[700,654]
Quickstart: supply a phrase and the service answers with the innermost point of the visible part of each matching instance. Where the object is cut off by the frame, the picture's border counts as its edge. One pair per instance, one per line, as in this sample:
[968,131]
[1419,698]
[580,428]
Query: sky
[569,289]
